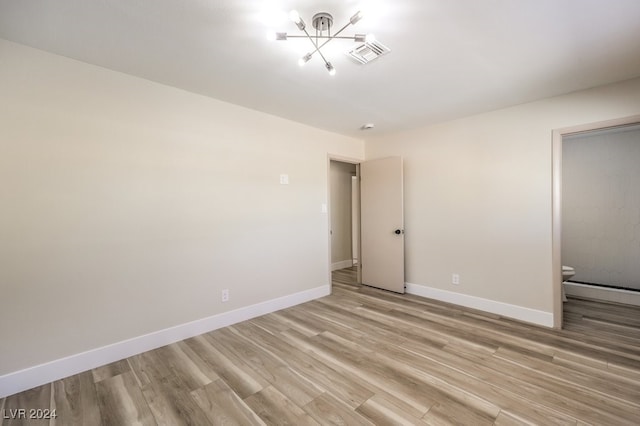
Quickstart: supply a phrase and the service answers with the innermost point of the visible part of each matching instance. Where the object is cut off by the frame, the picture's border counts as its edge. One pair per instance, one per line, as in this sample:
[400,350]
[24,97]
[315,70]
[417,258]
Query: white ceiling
[450,58]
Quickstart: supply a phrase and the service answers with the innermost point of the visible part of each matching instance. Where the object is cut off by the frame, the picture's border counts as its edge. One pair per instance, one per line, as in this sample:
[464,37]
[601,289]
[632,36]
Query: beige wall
[341,218]
[478,194]
[601,206]
[127,206]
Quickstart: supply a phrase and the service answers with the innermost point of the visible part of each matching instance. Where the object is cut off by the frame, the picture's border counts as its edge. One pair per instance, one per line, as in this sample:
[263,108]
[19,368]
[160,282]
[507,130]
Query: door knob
[398,231]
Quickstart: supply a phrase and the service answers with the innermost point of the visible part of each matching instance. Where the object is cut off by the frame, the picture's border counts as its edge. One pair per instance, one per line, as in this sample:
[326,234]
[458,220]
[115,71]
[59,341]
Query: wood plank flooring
[364,356]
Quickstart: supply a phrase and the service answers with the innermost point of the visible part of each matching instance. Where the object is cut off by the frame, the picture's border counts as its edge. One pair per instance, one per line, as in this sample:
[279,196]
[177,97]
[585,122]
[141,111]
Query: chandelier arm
[323,58]
[316,46]
[341,29]
[311,39]
[323,37]
[329,37]
[320,52]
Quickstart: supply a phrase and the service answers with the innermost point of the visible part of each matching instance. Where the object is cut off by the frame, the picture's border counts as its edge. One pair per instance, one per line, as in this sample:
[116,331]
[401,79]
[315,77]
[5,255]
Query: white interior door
[382,224]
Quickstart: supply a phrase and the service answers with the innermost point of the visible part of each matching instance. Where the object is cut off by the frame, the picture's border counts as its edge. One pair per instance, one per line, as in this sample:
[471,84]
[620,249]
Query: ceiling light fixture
[322,22]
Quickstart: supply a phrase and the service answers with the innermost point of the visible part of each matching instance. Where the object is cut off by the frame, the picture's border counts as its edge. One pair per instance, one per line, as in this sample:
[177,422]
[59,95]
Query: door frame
[348,160]
[556,238]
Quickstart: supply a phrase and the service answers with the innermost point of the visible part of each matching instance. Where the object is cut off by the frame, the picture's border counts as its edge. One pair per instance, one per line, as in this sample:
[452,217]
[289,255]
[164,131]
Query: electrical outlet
[225,295]
[455,279]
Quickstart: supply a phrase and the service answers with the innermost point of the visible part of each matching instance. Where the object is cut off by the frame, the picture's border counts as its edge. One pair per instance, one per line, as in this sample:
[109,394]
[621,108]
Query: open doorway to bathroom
[601,213]
[596,215]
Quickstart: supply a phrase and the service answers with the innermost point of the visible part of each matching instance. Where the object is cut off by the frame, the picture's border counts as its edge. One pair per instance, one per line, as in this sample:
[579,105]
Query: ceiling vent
[368,51]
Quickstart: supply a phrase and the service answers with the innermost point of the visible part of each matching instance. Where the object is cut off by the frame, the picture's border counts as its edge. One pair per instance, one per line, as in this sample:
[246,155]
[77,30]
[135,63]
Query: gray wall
[601,206]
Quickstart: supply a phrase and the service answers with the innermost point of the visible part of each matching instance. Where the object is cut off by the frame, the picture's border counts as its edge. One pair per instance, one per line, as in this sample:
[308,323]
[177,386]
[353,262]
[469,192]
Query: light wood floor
[363,356]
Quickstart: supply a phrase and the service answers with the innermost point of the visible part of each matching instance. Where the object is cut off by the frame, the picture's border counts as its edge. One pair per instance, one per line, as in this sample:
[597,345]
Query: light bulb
[330,68]
[306,58]
[271,35]
[295,16]
[370,38]
[355,18]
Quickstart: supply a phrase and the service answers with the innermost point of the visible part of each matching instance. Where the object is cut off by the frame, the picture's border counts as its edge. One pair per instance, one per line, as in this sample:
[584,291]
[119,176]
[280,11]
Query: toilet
[567,273]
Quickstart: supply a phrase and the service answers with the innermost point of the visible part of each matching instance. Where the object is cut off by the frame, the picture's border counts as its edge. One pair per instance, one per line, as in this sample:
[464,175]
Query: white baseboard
[512,311]
[31,377]
[342,264]
[602,293]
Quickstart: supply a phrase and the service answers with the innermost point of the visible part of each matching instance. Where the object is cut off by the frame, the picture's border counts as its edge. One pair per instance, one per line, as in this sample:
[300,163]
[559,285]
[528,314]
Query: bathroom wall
[601,206]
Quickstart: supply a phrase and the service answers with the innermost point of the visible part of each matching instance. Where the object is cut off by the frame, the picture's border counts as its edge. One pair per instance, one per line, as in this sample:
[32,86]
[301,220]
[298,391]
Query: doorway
[557,201]
[366,220]
[601,213]
[344,214]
